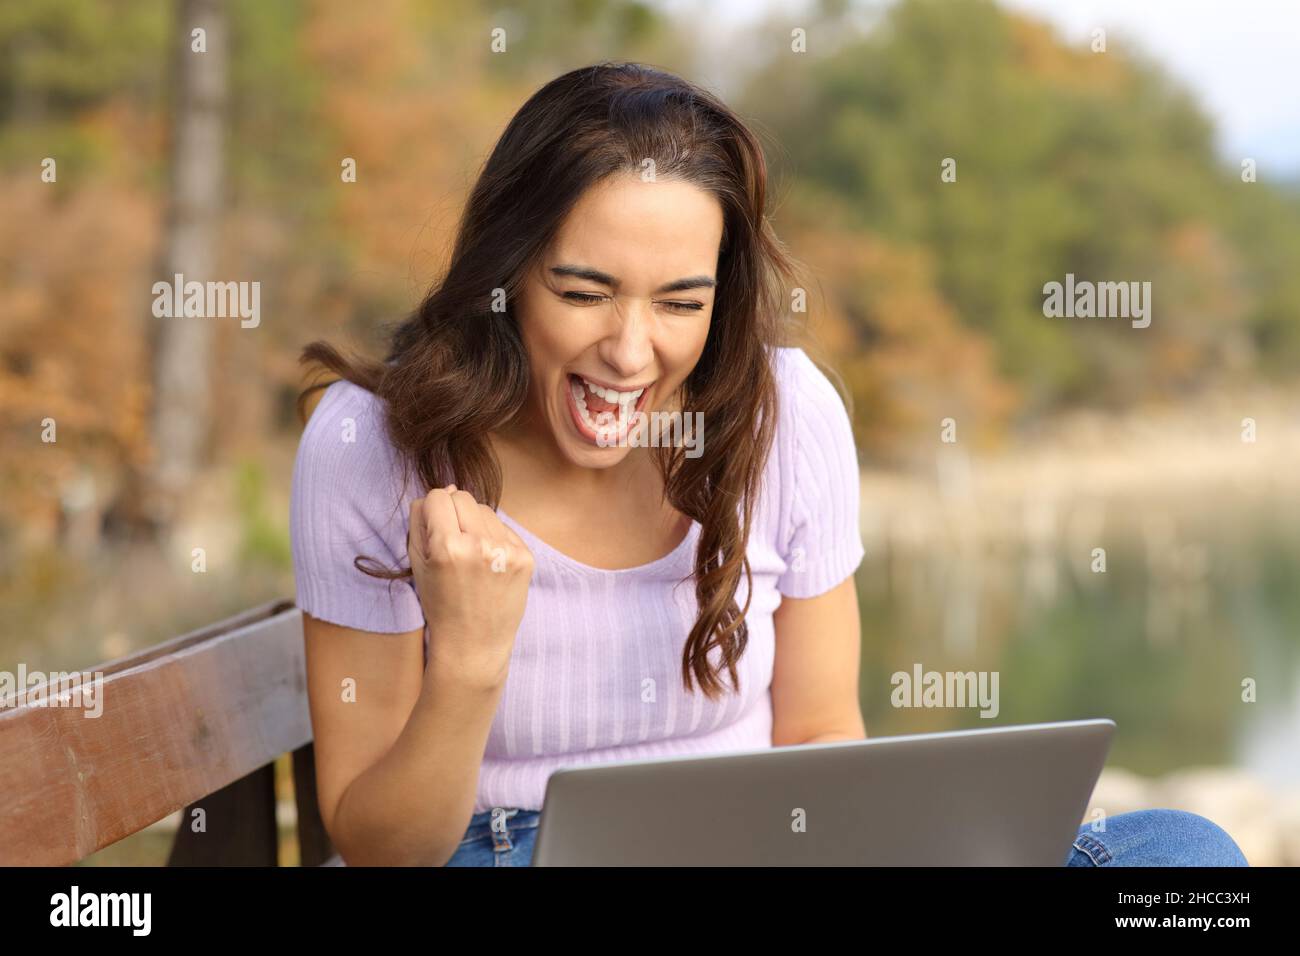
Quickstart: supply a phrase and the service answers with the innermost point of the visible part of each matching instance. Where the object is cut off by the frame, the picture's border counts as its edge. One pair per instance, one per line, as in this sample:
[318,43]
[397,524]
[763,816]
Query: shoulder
[813,451]
[348,502]
[346,465]
[346,431]
[340,402]
[811,408]
[817,477]
[796,372]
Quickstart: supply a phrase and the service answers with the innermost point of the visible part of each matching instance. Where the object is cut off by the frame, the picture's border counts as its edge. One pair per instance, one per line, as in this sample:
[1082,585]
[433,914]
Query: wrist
[481,674]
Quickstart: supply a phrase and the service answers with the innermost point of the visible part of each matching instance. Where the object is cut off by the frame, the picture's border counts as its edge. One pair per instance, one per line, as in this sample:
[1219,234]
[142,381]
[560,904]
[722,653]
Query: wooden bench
[196,722]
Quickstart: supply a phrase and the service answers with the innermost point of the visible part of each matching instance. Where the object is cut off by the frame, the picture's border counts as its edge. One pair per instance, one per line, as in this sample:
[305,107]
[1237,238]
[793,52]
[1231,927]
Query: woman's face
[616,314]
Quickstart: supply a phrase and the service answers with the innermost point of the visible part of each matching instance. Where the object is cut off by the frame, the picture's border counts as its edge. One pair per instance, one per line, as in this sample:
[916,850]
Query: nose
[629,348]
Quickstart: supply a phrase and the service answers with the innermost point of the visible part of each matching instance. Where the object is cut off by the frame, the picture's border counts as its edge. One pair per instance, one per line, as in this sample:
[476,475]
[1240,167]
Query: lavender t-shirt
[595,672]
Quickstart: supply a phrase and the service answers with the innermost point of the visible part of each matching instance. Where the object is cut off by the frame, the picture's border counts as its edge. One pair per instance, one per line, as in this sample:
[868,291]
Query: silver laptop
[1005,796]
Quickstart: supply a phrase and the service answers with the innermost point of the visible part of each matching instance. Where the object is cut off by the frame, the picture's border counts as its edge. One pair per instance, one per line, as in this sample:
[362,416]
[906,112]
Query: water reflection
[1155,611]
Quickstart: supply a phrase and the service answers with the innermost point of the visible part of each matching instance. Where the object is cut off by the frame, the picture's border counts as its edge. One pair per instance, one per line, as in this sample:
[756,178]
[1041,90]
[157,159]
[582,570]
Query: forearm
[411,807]
[849,726]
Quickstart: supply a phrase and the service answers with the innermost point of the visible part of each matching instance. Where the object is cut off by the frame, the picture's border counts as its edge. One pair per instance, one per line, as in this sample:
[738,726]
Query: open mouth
[602,415]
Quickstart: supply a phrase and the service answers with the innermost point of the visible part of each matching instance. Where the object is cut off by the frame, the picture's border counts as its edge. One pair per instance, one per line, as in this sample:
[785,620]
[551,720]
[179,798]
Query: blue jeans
[1140,838]
[1155,838]
[507,842]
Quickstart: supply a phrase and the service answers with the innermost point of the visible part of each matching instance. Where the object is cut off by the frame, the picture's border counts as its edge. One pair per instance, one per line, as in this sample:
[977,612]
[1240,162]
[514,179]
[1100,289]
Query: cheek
[684,349]
[536,333]
[678,360]
[552,338]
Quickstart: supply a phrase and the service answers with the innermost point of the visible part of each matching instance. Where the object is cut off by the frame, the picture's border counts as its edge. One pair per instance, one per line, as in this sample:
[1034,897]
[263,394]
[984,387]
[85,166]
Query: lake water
[1195,599]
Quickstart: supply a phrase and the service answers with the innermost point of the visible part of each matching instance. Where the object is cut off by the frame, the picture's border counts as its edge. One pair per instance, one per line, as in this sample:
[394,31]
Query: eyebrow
[604,278]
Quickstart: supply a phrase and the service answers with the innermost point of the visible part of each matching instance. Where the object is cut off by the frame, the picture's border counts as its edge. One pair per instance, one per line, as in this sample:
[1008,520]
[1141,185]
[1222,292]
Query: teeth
[611,422]
[611,395]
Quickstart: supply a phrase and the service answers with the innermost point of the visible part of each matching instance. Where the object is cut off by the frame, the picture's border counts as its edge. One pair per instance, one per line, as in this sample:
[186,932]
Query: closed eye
[591,298]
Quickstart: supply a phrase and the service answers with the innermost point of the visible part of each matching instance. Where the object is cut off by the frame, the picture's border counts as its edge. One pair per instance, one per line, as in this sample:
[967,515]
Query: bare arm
[398,757]
[815,677]
[397,761]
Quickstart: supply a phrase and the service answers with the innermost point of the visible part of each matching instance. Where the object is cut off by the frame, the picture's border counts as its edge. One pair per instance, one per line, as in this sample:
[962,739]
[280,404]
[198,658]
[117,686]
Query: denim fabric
[1155,838]
[502,836]
[1140,838]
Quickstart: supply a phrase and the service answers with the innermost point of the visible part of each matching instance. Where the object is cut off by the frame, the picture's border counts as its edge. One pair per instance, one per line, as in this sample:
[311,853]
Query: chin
[586,456]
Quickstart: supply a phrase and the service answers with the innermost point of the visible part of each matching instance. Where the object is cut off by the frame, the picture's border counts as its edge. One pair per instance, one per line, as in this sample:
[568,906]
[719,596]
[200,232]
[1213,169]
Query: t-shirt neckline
[537,544]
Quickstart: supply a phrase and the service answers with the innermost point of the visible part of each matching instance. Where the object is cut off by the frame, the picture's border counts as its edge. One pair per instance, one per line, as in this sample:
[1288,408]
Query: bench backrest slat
[180,721]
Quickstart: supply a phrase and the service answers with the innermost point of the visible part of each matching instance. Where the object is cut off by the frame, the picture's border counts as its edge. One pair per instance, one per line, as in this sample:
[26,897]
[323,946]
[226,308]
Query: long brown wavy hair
[457,369]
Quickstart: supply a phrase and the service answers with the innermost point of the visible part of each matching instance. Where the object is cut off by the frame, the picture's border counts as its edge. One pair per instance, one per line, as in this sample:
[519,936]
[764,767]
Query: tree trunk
[182,346]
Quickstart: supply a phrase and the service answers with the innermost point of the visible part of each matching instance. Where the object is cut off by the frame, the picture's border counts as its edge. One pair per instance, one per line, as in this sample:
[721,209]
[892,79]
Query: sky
[1241,57]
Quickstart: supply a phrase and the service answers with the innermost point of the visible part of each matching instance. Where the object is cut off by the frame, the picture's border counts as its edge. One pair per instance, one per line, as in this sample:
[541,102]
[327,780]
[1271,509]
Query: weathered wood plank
[180,721]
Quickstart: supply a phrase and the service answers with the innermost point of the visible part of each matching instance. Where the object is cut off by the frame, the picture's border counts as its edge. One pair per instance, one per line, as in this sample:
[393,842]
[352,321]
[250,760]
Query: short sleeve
[821,540]
[347,502]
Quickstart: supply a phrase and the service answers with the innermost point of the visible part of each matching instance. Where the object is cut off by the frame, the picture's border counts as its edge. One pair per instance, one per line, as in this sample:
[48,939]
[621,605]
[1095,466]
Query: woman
[505,564]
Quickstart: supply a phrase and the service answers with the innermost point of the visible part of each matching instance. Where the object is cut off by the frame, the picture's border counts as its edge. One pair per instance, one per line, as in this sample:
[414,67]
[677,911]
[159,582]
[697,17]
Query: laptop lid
[1008,796]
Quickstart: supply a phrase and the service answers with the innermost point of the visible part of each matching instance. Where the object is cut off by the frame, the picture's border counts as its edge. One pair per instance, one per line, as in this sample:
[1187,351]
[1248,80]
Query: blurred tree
[1066,161]
[182,346]
[907,360]
[79,92]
